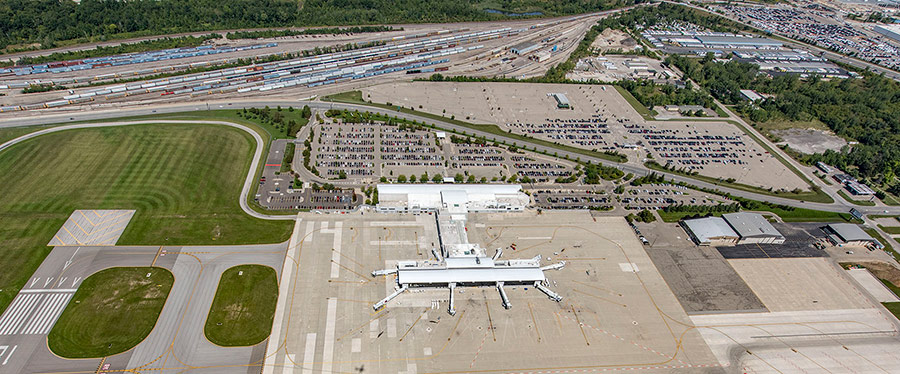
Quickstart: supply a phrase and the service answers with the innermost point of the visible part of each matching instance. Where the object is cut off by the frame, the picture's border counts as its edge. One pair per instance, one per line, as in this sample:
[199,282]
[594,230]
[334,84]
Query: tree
[424,177]
[458,178]
[471,179]
[437,178]
[401,178]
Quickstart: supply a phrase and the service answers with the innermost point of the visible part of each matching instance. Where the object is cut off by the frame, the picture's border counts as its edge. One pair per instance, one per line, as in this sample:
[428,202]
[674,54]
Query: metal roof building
[524,48]
[851,235]
[753,228]
[712,231]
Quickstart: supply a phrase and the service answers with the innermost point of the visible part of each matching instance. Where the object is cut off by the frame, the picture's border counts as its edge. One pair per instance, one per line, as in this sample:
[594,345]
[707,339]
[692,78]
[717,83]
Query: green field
[112,311]
[183,180]
[640,108]
[242,311]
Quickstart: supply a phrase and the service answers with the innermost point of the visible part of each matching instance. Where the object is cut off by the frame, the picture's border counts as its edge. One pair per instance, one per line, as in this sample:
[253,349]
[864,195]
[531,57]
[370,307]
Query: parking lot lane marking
[309,353]
[18,314]
[328,344]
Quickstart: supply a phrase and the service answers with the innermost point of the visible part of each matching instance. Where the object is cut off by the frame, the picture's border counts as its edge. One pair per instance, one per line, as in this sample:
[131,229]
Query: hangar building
[753,228]
[850,235]
[712,231]
[731,229]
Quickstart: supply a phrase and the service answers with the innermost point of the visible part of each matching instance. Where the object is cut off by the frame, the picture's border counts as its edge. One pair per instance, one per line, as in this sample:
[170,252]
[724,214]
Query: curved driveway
[248,182]
[839,206]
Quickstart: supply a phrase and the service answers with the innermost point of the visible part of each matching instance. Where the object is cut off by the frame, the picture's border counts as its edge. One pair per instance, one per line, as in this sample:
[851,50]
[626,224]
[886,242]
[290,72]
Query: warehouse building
[457,199]
[890,31]
[851,235]
[753,228]
[710,231]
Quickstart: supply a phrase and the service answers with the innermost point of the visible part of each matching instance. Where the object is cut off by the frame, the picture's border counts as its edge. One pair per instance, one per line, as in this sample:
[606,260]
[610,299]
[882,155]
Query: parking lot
[600,119]
[366,152]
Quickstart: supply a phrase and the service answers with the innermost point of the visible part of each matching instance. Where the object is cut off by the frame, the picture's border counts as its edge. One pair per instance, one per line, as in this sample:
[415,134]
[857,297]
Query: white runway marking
[47,314]
[336,254]
[17,313]
[393,223]
[356,345]
[328,347]
[3,349]
[309,354]
[34,311]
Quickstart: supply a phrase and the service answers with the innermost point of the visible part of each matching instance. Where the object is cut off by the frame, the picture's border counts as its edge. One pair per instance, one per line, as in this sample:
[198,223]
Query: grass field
[10,133]
[640,108]
[112,311]
[183,180]
[893,230]
[355,97]
[887,246]
[242,311]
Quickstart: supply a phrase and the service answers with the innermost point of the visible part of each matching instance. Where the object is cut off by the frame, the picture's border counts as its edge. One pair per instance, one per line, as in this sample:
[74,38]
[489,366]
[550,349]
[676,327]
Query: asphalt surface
[176,344]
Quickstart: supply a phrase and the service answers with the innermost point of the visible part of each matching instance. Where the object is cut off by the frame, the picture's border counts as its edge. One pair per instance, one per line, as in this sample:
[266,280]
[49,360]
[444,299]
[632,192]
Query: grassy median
[112,311]
[184,181]
[242,311]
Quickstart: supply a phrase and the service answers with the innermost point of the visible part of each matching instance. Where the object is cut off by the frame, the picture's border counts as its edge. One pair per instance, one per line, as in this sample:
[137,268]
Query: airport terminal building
[455,198]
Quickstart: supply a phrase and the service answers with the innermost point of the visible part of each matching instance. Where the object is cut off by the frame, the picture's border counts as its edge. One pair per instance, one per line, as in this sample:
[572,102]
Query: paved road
[248,182]
[839,206]
[176,344]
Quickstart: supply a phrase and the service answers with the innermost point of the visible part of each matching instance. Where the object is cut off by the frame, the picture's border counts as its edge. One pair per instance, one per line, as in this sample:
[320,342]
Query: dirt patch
[810,141]
[884,271]
[614,39]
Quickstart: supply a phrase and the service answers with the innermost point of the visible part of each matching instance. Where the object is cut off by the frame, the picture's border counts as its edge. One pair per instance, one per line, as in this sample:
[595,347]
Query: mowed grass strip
[184,182]
[112,311]
[242,311]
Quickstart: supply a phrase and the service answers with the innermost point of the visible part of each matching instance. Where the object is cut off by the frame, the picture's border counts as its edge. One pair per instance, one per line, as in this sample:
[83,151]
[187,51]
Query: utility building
[753,228]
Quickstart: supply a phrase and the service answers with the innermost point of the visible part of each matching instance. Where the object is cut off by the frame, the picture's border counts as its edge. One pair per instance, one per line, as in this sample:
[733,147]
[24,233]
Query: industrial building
[525,48]
[753,228]
[751,95]
[858,189]
[710,231]
[459,263]
[890,31]
[731,229]
[455,198]
[849,234]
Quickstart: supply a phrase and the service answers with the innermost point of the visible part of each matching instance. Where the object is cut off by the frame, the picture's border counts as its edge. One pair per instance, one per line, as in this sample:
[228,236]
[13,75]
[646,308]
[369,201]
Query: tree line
[49,22]
[865,109]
